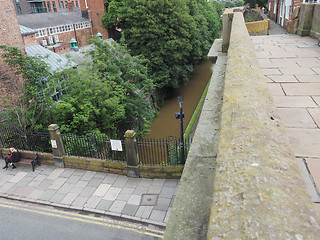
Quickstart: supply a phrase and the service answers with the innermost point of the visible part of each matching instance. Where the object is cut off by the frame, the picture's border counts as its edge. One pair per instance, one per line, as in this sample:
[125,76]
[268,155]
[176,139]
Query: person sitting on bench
[13,156]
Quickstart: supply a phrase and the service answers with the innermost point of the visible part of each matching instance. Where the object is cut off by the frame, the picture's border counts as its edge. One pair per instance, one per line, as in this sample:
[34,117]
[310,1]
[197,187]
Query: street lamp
[180,115]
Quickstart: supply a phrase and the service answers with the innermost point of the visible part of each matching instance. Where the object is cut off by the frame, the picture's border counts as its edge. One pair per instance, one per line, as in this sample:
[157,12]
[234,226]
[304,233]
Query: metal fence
[33,141]
[93,146]
[165,151]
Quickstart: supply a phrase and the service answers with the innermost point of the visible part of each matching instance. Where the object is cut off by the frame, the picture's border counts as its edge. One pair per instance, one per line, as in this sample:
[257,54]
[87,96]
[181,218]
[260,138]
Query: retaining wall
[108,166]
[309,20]
[244,182]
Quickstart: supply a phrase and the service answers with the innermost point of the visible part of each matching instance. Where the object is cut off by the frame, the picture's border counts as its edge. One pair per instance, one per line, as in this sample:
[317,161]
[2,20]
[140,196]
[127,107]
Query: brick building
[94,10]
[42,6]
[9,35]
[55,30]
[281,11]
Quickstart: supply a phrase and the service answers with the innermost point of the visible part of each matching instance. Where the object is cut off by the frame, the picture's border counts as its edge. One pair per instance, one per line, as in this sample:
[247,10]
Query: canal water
[165,123]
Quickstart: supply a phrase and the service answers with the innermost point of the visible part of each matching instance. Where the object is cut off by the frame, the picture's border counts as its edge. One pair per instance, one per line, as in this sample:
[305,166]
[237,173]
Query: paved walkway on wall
[140,199]
[291,65]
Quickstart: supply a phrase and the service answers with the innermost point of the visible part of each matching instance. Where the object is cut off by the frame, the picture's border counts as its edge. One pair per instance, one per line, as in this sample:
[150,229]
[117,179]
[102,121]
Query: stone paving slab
[296,91]
[104,193]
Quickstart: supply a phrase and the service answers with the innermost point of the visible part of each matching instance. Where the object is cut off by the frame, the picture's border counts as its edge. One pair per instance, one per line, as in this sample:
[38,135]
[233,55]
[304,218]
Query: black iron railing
[165,151]
[93,146]
[33,141]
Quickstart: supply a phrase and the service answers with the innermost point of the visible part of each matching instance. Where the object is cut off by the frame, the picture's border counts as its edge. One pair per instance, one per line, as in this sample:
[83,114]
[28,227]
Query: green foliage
[253,3]
[107,95]
[32,94]
[174,35]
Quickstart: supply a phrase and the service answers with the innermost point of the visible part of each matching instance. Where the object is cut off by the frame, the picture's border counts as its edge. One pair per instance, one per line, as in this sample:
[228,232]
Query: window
[49,7]
[38,7]
[66,3]
[77,5]
[54,6]
[18,7]
[275,7]
[61,4]
[83,25]
[72,4]
[41,33]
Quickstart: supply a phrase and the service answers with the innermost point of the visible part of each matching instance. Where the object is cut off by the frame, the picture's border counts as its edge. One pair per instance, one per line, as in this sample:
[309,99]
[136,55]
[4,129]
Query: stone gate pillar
[58,150]
[132,154]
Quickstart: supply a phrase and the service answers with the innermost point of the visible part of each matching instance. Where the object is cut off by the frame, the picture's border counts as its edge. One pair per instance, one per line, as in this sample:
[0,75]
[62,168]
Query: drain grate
[149,200]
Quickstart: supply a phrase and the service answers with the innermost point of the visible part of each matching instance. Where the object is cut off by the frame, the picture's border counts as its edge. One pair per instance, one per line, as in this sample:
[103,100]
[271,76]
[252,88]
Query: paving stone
[158,182]
[79,172]
[133,182]
[81,184]
[308,78]
[275,89]
[47,194]
[163,204]
[134,200]
[25,181]
[67,173]
[45,184]
[104,205]
[127,190]
[87,191]
[308,62]
[56,173]
[112,193]
[102,190]
[40,177]
[296,70]
[18,177]
[298,89]
[123,197]
[69,198]
[140,190]
[294,101]
[100,175]
[94,182]
[171,182]
[271,71]
[66,187]
[130,209]
[167,192]
[35,194]
[296,117]
[87,176]
[316,99]
[121,181]
[145,182]
[157,215]
[155,189]
[314,168]
[110,178]
[117,206]
[305,142]
[74,178]
[283,78]
[79,201]
[57,197]
[92,202]
[316,69]
[315,114]
[57,184]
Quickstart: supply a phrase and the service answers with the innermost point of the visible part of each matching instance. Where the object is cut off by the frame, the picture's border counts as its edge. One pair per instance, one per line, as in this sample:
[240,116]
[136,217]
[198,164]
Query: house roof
[43,20]
[26,31]
[55,61]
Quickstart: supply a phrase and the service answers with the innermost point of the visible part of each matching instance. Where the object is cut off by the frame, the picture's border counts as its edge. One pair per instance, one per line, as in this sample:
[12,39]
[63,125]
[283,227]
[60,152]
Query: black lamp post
[180,115]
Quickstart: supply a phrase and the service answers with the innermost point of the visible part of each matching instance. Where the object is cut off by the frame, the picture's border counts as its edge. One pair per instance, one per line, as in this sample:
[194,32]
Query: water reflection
[166,124]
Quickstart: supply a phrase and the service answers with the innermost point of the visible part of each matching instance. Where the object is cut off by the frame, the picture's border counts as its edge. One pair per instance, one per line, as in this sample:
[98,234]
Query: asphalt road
[19,220]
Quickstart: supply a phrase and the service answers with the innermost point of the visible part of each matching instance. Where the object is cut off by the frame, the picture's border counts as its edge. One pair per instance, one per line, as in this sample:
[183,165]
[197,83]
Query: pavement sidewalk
[291,64]
[139,199]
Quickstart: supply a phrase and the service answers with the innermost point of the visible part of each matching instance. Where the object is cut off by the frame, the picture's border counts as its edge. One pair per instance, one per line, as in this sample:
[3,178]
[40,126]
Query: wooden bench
[29,158]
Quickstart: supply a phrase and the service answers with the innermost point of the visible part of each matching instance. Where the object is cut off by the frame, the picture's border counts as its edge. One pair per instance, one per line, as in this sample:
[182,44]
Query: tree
[106,95]
[253,3]
[173,35]
[32,94]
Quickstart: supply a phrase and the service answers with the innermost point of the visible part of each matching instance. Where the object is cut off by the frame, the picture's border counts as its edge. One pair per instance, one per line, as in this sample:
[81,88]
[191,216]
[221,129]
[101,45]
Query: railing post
[132,154]
[58,150]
